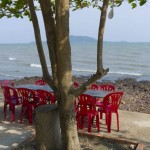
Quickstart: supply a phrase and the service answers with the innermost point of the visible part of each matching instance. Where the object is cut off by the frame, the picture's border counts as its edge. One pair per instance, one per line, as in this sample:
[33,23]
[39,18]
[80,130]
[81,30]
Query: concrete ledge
[139,146]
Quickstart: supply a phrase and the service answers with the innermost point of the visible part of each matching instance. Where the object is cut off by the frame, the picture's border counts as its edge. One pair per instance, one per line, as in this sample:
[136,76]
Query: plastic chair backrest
[7,83]
[112,101]
[94,87]
[107,87]
[44,97]
[27,95]
[40,82]
[10,95]
[86,102]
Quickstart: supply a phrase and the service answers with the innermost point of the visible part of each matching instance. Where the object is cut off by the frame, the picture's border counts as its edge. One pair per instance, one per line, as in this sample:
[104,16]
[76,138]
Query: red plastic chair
[28,103]
[94,87]
[10,98]
[76,85]
[110,105]
[86,108]
[45,97]
[107,87]
[7,83]
[40,82]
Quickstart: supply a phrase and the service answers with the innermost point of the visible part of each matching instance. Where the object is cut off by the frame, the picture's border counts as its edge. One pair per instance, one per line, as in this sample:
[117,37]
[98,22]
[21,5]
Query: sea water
[124,59]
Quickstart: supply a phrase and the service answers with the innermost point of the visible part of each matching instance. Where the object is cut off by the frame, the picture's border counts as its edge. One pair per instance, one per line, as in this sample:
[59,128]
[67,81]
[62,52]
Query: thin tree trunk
[39,41]
[70,139]
[100,71]
[100,36]
[49,23]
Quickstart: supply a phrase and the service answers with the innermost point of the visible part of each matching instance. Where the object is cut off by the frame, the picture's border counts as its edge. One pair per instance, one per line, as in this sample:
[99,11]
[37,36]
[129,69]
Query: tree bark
[69,132]
[70,139]
[100,36]
[49,22]
[39,42]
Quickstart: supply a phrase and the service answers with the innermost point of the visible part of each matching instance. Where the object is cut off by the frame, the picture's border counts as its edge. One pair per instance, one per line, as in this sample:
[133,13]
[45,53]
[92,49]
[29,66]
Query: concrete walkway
[12,134]
[133,126]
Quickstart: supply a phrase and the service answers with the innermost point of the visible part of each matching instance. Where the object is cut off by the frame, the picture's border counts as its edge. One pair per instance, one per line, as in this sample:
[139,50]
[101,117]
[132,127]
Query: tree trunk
[100,36]
[49,22]
[69,132]
[68,126]
[39,41]
[48,135]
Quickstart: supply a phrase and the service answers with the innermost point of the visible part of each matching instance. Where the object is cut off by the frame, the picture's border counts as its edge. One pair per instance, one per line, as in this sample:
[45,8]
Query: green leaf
[133,5]
[118,3]
[130,1]
[142,2]
[26,13]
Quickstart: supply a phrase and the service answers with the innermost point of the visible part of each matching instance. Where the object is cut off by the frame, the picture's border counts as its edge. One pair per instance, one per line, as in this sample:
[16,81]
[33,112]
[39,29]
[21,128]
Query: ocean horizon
[124,59]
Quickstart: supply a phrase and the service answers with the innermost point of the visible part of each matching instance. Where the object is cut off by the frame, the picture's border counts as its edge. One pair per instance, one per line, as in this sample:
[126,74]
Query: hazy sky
[127,25]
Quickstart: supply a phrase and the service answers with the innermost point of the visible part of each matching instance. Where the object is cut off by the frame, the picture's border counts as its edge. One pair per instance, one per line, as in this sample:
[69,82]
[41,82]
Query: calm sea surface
[122,58]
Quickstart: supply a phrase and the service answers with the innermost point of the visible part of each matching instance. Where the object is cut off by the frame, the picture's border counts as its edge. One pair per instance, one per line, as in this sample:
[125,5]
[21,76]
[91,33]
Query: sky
[132,25]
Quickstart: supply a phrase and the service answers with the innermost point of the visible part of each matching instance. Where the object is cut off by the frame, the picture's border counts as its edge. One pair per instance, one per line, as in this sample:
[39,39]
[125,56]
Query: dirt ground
[89,144]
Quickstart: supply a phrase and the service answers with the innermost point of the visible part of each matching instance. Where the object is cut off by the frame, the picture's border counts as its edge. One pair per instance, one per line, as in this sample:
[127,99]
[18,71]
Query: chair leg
[89,123]
[106,118]
[82,122]
[30,114]
[109,118]
[97,123]
[13,112]
[23,109]
[117,116]
[78,121]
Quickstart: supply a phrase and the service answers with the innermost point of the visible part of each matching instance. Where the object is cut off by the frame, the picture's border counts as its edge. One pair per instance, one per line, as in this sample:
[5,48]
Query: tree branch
[91,80]
[39,43]
[100,35]
[100,71]
[49,22]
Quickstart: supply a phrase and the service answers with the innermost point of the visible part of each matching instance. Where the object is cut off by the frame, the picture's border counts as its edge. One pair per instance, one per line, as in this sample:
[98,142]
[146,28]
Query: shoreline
[136,93]
[112,77]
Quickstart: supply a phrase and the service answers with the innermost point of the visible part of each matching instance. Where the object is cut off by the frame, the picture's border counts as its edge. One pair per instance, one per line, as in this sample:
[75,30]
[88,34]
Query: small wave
[11,58]
[127,73]
[84,70]
[38,65]
[35,65]
[8,75]
[117,72]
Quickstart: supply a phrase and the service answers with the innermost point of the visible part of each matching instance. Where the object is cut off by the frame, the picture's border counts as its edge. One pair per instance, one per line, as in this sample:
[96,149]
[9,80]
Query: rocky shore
[136,93]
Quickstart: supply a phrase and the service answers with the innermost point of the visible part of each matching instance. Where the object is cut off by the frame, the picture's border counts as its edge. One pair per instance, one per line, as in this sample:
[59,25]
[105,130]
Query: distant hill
[82,39]
[78,40]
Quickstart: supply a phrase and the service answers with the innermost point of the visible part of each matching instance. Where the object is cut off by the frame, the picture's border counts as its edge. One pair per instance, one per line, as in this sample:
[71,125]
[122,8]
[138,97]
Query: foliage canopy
[19,8]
